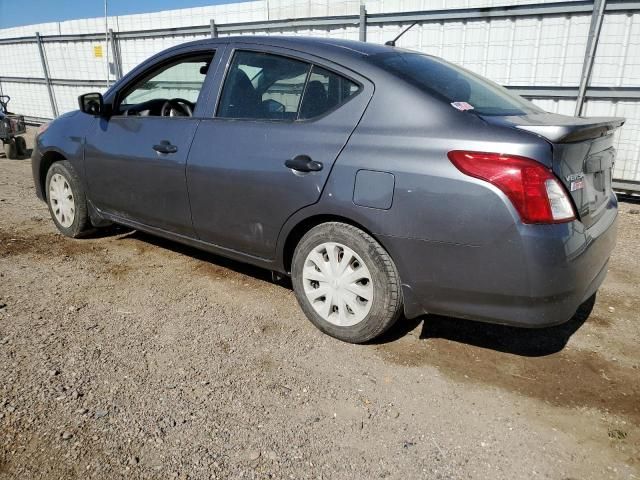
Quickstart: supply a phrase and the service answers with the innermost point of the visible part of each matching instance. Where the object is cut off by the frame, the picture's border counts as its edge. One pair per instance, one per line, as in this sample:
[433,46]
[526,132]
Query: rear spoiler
[573,129]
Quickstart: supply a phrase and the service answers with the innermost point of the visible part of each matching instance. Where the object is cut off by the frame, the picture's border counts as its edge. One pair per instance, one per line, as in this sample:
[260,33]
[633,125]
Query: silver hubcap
[337,284]
[61,200]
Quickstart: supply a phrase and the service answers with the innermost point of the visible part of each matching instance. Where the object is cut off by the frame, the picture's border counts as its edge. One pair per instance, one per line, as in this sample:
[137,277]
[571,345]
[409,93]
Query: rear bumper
[534,276]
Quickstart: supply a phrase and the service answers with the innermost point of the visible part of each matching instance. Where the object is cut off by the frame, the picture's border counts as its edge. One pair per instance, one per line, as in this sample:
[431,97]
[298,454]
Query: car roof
[318,44]
[351,54]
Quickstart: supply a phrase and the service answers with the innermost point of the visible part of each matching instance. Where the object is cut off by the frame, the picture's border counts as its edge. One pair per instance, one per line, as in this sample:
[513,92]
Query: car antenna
[392,43]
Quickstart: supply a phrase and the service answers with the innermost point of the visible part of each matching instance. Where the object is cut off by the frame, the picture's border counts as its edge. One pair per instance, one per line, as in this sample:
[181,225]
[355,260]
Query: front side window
[170,90]
[454,84]
[262,86]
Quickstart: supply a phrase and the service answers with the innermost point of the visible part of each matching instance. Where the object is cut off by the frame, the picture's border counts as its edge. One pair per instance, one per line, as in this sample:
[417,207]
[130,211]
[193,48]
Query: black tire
[81,224]
[386,302]
[584,310]
[21,146]
[11,149]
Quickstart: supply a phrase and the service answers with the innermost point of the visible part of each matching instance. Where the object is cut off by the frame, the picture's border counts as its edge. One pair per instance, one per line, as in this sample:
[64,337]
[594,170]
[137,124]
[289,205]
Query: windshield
[454,84]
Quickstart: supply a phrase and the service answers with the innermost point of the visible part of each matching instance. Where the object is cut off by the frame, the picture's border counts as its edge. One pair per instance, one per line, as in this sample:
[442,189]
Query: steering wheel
[176,107]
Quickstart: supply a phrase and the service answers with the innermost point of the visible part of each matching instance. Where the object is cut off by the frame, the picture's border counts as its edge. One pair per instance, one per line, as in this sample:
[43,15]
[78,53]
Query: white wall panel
[30,99]
[77,60]
[279,9]
[20,60]
[379,6]
[345,33]
[184,17]
[563,106]
[522,51]
[617,61]
[135,51]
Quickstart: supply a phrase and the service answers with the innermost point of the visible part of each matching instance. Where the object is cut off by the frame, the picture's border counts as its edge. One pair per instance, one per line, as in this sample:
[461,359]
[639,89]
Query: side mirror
[91,104]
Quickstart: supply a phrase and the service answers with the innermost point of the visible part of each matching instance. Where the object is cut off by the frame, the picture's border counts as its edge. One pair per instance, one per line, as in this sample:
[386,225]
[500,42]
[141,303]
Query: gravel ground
[126,356]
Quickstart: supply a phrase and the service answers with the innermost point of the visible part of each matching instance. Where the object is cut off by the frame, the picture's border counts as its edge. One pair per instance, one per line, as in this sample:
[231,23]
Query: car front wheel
[346,283]
[66,200]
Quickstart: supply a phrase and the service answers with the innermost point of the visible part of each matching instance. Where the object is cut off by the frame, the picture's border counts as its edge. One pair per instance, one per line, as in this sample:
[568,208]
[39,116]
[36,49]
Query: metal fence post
[590,53]
[214,29]
[117,60]
[47,79]
[363,23]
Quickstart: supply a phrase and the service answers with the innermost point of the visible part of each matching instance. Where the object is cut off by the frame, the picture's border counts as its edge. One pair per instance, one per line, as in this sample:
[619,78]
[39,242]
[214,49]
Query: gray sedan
[385,182]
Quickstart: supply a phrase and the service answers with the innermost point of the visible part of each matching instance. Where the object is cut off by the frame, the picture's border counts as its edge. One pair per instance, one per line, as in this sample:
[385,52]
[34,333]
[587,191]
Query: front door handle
[165,147]
[303,163]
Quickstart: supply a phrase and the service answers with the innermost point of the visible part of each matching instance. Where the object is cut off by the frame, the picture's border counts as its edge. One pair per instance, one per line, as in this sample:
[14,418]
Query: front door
[135,160]
[280,123]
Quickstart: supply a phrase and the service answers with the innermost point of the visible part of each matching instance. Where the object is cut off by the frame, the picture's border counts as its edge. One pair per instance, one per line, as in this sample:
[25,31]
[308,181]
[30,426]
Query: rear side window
[325,91]
[455,84]
[262,86]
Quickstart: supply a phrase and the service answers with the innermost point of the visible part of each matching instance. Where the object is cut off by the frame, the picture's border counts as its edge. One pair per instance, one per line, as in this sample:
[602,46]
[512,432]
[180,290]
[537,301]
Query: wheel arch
[48,158]
[304,225]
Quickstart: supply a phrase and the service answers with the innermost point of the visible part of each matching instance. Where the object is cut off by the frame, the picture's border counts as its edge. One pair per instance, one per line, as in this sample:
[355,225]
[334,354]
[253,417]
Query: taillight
[534,191]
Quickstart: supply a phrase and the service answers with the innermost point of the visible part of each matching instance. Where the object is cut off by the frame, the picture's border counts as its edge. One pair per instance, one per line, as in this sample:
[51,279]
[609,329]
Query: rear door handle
[165,147]
[303,163]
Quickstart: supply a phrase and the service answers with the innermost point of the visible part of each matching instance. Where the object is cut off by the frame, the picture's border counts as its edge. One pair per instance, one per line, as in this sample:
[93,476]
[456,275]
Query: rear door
[583,155]
[281,120]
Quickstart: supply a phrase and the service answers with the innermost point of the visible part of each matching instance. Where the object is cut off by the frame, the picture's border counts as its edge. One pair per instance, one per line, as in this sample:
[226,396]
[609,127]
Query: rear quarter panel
[446,231]
[406,133]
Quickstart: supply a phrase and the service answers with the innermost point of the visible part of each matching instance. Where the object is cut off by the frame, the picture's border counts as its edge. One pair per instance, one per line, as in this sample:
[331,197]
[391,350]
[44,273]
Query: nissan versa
[382,180]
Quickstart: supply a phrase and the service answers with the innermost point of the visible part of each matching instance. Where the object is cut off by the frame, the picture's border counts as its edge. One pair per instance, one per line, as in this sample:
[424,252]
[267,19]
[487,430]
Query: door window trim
[292,56]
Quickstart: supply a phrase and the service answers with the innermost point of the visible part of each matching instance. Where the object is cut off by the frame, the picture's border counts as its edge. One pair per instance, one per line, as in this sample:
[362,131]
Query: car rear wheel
[346,283]
[66,200]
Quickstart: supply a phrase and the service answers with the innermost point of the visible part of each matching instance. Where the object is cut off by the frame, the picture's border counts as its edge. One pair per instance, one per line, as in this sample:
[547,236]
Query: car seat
[315,100]
[240,99]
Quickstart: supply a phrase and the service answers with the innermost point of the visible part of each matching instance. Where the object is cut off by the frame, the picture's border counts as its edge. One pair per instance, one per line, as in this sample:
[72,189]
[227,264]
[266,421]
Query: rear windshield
[454,84]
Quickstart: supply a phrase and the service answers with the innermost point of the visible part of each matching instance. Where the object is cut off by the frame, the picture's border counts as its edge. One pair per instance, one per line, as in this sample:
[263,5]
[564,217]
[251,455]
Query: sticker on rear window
[462,106]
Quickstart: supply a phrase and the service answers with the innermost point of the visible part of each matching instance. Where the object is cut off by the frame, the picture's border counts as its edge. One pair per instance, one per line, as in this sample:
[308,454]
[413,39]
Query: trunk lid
[583,155]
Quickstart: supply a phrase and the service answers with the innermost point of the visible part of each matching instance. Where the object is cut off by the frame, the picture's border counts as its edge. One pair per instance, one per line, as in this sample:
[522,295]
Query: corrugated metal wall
[533,51]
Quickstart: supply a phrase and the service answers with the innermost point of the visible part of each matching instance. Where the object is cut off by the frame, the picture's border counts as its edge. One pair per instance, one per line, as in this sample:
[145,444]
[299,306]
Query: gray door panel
[128,178]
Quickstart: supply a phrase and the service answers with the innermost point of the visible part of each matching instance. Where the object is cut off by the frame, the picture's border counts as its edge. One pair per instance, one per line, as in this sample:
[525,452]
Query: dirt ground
[126,356]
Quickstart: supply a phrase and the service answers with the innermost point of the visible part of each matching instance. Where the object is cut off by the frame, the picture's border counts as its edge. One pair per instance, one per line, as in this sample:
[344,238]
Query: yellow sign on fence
[97,51]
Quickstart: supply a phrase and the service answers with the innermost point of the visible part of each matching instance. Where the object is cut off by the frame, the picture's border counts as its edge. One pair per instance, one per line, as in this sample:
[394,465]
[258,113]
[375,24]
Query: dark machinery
[11,126]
